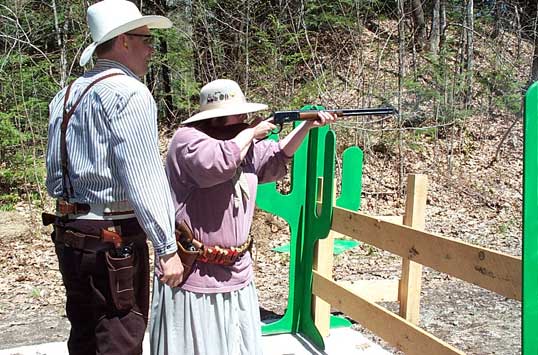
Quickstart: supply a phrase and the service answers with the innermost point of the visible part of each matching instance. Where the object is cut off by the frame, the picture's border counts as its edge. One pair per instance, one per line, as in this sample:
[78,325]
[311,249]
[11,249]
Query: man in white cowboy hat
[214,164]
[104,169]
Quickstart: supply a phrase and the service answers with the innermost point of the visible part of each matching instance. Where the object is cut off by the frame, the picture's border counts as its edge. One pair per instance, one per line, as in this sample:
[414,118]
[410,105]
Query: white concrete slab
[340,341]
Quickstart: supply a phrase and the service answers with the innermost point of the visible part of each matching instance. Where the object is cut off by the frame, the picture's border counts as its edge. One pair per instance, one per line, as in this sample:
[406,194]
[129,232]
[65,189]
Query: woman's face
[234,119]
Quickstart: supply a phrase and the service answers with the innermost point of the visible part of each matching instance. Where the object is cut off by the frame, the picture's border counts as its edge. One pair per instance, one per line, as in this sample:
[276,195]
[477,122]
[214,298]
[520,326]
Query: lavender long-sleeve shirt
[200,170]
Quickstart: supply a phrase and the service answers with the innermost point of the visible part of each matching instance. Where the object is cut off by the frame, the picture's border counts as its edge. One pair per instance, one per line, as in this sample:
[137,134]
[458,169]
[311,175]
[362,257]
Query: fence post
[323,263]
[410,282]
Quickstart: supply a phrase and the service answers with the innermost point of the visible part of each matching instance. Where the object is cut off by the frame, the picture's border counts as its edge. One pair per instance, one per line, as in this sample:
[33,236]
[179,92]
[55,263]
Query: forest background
[457,71]
[438,61]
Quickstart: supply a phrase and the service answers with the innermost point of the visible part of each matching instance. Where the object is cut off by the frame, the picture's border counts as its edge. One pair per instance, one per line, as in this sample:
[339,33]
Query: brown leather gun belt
[188,247]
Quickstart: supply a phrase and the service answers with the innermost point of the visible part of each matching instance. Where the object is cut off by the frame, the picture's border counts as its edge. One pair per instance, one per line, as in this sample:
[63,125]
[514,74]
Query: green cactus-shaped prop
[290,208]
[314,159]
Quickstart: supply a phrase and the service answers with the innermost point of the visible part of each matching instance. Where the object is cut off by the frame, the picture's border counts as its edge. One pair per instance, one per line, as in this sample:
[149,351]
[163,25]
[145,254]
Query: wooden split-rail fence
[404,236]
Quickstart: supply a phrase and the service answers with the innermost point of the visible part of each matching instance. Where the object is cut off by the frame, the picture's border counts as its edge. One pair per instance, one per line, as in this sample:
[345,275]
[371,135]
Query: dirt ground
[470,318]
[469,198]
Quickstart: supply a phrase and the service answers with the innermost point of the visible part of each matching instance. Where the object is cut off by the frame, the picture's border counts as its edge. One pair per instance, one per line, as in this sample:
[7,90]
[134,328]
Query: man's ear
[122,40]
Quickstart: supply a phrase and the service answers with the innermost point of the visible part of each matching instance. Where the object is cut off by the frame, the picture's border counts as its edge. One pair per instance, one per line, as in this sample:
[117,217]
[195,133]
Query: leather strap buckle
[64,207]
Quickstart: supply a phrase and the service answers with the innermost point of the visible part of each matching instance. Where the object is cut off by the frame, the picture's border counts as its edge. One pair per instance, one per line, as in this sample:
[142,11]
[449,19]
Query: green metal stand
[530,224]
[314,159]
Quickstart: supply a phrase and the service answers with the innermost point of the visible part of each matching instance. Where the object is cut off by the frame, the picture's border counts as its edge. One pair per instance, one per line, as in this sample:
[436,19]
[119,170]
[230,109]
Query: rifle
[281,117]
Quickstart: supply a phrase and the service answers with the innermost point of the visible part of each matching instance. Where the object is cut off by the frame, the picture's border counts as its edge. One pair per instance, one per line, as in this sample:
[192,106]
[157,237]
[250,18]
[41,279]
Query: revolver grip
[111,237]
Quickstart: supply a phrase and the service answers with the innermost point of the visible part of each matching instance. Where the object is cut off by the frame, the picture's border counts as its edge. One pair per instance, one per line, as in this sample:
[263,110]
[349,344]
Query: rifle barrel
[366,111]
[281,117]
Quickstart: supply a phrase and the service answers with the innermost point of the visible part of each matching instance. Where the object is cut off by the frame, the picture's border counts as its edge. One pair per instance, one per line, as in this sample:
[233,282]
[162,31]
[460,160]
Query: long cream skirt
[185,322]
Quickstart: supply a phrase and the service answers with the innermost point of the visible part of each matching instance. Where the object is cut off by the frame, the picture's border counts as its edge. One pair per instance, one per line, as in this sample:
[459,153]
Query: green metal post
[530,224]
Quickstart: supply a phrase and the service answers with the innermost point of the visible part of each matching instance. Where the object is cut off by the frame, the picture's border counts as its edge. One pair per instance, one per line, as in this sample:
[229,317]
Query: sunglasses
[148,39]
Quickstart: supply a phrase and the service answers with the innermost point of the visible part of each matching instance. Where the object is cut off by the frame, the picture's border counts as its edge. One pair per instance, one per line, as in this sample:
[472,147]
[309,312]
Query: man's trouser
[107,296]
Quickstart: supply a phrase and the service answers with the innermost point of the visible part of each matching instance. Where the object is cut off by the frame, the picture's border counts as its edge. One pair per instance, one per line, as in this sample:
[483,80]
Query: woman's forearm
[292,141]
[244,140]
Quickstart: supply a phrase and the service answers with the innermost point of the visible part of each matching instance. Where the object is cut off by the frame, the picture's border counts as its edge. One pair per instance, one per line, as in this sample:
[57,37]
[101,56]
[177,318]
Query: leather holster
[188,248]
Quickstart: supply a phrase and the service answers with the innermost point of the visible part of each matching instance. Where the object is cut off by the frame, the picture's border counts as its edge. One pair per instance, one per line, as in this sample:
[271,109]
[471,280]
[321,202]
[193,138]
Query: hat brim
[152,21]
[238,109]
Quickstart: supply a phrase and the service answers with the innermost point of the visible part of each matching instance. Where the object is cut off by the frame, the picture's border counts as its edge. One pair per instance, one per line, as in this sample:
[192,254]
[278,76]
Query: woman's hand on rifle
[324,118]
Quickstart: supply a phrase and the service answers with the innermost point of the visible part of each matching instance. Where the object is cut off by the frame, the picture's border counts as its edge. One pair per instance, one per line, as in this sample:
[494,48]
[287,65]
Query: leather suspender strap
[63,144]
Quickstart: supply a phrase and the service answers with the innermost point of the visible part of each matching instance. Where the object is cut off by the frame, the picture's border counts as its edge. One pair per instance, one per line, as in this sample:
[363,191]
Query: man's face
[139,48]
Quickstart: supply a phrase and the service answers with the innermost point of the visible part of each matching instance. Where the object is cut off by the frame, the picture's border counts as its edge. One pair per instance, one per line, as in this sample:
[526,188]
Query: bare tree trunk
[61,44]
[519,31]
[170,108]
[247,45]
[204,68]
[161,71]
[534,67]
[419,24]
[469,52]
[496,21]
[401,77]
[436,28]
[442,23]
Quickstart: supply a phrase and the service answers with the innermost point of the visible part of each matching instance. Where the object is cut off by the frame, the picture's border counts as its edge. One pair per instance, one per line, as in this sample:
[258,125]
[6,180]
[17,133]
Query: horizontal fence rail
[489,269]
[392,328]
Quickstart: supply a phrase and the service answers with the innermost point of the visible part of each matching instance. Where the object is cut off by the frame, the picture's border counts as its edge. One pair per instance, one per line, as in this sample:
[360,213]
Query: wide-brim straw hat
[110,18]
[223,97]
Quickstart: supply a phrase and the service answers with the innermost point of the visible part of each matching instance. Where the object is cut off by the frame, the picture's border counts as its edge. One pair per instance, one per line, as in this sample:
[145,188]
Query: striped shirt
[113,150]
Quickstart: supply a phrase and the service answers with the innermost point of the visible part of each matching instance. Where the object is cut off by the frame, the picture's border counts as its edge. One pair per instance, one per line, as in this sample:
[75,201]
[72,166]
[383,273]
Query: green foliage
[178,61]
[283,54]
[9,135]
[323,14]
[36,293]
[504,228]
[28,81]
[437,87]
[419,136]
[282,47]
[8,201]
[503,88]
[23,123]
[307,93]
[22,172]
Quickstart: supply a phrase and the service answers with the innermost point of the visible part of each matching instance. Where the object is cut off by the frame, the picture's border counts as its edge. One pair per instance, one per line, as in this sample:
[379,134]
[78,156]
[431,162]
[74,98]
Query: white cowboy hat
[110,18]
[223,97]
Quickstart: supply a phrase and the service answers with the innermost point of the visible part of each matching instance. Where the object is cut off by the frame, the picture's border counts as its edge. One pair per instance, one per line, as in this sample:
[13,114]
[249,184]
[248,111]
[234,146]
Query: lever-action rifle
[281,117]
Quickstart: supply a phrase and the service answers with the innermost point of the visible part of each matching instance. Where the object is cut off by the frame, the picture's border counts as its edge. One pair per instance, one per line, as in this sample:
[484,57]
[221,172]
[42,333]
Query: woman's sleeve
[203,160]
[270,162]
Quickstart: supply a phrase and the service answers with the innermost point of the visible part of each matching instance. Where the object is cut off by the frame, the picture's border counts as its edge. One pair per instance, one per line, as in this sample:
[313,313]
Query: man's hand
[172,269]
